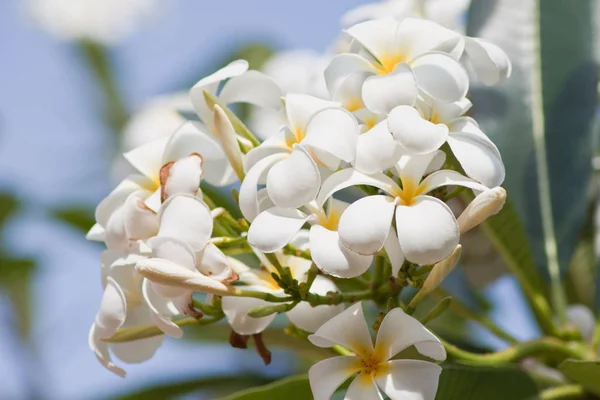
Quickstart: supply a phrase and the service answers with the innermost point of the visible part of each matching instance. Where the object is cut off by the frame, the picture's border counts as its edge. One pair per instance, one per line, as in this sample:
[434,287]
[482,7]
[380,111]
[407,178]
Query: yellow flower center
[354,104]
[330,221]
[389,62]
[409,192]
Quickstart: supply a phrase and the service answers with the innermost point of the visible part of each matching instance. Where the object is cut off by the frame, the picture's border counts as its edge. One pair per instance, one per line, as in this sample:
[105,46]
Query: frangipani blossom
[122,306]
[275,227]
[302,315]
[318,134]
[427,126]
[426,228]
[396,60]
[373,365]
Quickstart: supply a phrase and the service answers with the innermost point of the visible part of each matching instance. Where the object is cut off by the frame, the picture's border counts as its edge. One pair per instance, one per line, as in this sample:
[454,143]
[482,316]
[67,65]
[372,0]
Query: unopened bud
[228,138]
[485,205]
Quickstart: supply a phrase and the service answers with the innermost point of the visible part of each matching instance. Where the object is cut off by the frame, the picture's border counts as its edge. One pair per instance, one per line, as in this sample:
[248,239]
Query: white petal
[117,197]
[147,158]
[447,177]
[294,181]
[376,150]
[341,67]
[274,228]
[394,251]
[116,235]
[174,250]
[154,200]
[350,177]
[427,230]
[273,145]
[414,133]
[424,36]
[214,264]
[309,318]
[363,387]
[195,138]
[479,158]
[252,87]
[186,218]
[447,112]
[181,177]
[113,310]
[410,380]
[236,310]
[411,168]
[399,331]
[164,272]
[365,224]
[349,329]
[300,108]
[332,257]
[378,36]
[96,233]
[248,198]
[327,375]
[334,131]
[140,222]
[211,84]
[381,93]
[490,62]
[441,76]
[349,92]
[160,311]
[100,349]
[139,350]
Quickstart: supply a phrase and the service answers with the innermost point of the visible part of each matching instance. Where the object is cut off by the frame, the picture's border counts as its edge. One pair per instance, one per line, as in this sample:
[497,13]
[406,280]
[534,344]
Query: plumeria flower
[128,212]
[106,22]
[318,134]
[427,126]
[397,59]
[295,71]
[122,306]
[448,13]
[276,227]
[373,365]
[302,315]
[426,228]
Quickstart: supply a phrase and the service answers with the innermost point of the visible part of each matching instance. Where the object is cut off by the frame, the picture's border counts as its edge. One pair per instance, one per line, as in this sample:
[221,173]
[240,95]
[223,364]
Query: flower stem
[261,295]
[562,392]
[295,251]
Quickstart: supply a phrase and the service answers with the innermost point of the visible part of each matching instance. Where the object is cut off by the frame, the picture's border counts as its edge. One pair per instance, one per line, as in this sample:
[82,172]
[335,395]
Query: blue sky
[53,151]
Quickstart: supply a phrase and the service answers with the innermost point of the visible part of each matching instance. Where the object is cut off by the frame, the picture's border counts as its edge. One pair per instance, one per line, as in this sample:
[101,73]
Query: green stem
[295,251]
[333,298]
[378,274]
[147,331]
[562,392]
[271,298]
[596,337]
[516,352]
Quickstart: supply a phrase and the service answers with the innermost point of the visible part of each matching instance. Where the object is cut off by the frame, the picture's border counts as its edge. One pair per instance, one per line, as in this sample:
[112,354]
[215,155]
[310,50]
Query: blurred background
[63,103]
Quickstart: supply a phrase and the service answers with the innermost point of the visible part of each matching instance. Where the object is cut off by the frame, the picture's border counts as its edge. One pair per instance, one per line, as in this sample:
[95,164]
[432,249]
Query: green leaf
[15,281]
[489,383]
[585,373]
[79,217]
[9,204]
[216,385]
[295,387]
[542,117]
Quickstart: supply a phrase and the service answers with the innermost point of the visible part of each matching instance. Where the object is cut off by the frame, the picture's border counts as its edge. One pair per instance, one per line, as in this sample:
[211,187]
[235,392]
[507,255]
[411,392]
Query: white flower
[274,228]
[426,228]
[317,133]
[375,370]
[427,126]
[121,307]
[106,21]
[295,71]
[397,59]
[448,13]
[302,315]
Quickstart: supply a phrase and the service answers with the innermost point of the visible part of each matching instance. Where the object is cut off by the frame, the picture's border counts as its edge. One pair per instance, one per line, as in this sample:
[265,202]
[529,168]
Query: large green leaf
[489,383]
[542,117]
[15,282]
[79,217]
[585,373]
[293,388]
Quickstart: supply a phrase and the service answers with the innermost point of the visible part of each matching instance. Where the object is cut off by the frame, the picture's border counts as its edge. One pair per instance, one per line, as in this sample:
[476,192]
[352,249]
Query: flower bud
[228,138]
[485,205]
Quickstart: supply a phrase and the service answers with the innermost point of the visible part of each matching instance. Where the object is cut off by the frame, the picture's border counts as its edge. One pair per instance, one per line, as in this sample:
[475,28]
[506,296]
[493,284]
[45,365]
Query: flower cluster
[352,186]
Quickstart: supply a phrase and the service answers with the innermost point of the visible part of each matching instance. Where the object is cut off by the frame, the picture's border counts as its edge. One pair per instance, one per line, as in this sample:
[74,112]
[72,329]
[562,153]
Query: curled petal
[117,197]
[295,180]
[113,310]
[102,353]
[399,331]
[181,177]
[394,252]
[139,350]
[414,133]
[327,375]
[140,222]
[490,62]
[214,264]
[427,230]
[275,227]
[376,150]
[309,318]
[273,145]
[300,108]
[160,311]
[447,177]
[349,92]
[116,235]
[381,93]
[410,379]
[365,224]
[248,198]
[332,257]
[350,177]
[441,76]
[341,67]
[334,131]
[349,329]
[252,87]
[186,218]
[236,310]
